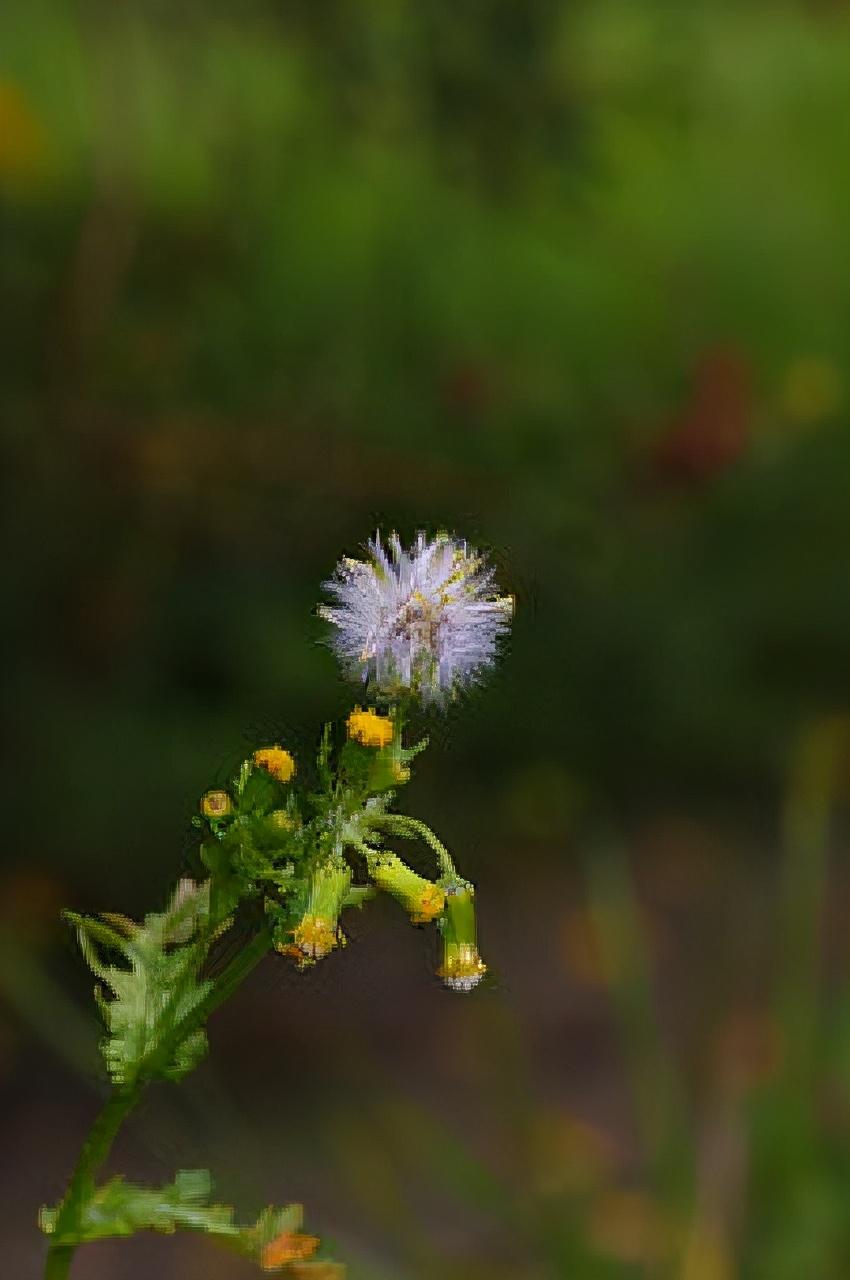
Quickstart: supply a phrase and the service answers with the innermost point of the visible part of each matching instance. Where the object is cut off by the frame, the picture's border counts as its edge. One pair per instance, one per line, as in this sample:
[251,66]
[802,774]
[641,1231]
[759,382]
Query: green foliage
[268,842]
[157,991]
[121,1208]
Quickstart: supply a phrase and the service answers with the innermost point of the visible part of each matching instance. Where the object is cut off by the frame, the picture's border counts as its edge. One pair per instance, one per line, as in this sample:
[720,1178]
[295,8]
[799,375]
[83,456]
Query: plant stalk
[404,825]
[124,1098]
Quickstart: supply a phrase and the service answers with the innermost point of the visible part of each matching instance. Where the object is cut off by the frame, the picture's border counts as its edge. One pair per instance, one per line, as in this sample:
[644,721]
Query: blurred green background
[574,281]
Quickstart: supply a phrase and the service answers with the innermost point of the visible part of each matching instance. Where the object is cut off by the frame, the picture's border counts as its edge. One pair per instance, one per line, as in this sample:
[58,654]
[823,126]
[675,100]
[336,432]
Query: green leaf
[121,1208]
[324,769]
[226,887]
[260,793]
[145,1001]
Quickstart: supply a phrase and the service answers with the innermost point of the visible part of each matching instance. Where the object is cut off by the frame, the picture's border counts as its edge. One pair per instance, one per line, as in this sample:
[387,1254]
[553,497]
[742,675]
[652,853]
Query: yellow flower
[462,967]
[429,905]
[318,932]
[216,804]
[316,936]
[370,729]
[278,762]
[422,898]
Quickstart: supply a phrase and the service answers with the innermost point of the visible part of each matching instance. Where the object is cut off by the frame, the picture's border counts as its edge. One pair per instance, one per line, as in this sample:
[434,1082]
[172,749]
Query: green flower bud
[318,931]
[462,967]
[423,899]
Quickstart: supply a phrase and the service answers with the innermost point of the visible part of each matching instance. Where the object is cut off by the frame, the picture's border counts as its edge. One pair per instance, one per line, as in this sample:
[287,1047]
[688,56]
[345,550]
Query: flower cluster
[292,842]
[301,849]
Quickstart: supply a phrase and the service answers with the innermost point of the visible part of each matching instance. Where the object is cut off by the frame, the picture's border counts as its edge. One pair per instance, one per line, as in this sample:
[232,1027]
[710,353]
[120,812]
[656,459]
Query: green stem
[122,1100]
[95,1150]
[227,982]
[404,825]
[58,1262]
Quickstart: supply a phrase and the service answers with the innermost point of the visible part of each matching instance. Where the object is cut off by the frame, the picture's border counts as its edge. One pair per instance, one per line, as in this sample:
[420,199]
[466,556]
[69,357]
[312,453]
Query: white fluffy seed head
[426,619]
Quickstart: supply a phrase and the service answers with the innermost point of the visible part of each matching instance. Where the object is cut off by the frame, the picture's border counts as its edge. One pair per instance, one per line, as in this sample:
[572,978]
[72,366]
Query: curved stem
[405,825]
[123,1099]
[95,1150]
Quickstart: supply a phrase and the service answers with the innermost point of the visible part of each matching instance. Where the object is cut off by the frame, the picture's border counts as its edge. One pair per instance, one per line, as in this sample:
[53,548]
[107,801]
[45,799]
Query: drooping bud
[421,898]
[216,804]
[318,931]
[462,967]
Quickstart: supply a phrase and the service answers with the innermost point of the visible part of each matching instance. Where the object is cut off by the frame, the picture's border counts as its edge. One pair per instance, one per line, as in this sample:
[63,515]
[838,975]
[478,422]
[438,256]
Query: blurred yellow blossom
[812,389]
[631,1227]
[707,1256]
[23,142]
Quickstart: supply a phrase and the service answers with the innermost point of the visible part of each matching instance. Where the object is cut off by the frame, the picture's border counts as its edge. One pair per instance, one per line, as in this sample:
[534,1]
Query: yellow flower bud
[462,967]
[423,899]
[429,906]
[216,804]
[316,936]
[369,728]
[276,761]
[318,932]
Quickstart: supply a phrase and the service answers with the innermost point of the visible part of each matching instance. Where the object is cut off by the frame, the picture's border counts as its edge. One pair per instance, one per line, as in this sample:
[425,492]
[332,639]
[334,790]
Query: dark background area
[572,281]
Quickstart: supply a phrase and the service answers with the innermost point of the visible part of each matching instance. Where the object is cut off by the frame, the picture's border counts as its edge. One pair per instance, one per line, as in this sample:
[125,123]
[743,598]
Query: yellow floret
[276,761]
[370,729]
[462,967]
[316,936]
[216,804]
[428,905]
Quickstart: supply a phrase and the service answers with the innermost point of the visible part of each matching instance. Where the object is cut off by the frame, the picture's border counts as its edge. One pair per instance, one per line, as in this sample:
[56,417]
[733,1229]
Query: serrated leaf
[121,1208]
[147,999]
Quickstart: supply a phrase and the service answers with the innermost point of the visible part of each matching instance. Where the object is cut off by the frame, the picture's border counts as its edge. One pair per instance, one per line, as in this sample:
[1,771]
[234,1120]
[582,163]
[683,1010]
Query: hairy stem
[123,1099]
